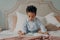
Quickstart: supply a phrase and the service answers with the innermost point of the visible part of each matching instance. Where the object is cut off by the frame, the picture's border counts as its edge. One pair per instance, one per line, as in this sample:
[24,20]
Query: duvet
[8,35]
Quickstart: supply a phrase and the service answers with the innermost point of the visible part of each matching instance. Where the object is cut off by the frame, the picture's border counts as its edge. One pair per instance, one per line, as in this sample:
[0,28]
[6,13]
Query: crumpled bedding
[32,38]
[55,33]
[11,35]
[7,34]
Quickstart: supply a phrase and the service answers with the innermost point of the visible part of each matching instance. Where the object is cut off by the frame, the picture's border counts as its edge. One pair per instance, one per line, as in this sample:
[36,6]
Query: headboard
[43,8]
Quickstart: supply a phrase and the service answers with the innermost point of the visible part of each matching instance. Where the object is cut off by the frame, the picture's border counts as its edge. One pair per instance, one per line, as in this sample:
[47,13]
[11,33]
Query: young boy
[32,23]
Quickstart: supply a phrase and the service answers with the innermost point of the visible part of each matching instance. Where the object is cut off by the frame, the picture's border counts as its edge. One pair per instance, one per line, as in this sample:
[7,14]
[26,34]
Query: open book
[36,34]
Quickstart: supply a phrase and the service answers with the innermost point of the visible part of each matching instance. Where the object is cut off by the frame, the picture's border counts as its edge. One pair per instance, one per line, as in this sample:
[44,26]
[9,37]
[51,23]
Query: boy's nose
[31,18]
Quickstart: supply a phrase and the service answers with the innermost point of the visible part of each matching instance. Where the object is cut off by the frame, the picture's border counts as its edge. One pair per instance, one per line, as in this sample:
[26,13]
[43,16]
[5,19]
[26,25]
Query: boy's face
[31,16]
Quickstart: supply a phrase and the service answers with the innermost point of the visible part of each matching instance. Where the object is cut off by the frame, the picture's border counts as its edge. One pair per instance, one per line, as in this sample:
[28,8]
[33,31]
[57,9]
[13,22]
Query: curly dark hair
[31,8]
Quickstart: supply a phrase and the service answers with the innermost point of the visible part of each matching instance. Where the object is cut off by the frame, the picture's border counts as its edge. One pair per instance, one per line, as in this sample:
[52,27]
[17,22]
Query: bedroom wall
[8,4]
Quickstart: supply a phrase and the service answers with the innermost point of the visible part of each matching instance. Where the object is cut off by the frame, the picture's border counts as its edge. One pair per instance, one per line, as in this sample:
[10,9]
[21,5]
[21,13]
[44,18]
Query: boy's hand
[43,32]
[46,33]
[40,32]
[21,33]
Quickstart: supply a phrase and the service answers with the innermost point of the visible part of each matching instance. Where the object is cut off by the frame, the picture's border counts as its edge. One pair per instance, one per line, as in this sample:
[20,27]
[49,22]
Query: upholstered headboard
[43,8]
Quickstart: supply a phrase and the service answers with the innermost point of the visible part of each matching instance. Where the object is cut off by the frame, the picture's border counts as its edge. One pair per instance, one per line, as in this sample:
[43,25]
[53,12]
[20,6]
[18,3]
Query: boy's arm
[42,27]
[23,29]
[42,30]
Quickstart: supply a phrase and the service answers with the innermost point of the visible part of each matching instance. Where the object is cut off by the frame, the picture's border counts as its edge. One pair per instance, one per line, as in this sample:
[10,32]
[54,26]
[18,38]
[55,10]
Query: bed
[44,7]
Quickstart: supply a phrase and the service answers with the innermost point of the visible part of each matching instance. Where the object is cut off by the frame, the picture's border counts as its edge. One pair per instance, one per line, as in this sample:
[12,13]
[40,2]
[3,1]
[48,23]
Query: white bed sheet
[7,34]
[55,33]
[52,33]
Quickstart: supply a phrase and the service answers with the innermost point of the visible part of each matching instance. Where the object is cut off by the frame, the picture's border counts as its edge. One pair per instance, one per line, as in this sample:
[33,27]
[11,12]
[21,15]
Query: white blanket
[55,33]
[36,34]
[52,33]
[7,34]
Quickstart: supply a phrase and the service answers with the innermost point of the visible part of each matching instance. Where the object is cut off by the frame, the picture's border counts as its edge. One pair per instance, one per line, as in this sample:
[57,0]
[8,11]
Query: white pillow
[51,19]
[20,20]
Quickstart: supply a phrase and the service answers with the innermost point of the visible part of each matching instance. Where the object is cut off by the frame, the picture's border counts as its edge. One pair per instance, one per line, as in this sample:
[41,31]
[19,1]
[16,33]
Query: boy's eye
[29,16]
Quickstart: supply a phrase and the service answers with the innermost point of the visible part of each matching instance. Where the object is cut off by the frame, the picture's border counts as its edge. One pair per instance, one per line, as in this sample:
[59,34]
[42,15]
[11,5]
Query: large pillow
[12,19]
[50,18]
[20,20]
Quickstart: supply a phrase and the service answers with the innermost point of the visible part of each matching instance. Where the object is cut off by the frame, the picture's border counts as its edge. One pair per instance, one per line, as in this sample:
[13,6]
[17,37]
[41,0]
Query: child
[32,24]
